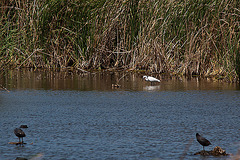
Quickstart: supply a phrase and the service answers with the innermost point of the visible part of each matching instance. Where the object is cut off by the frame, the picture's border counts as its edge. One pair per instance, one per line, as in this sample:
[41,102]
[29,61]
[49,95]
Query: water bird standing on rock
[151,79]
[20,134]
[203,141]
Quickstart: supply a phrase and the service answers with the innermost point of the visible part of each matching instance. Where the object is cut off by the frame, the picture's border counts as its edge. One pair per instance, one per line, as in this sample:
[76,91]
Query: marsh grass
[176,37]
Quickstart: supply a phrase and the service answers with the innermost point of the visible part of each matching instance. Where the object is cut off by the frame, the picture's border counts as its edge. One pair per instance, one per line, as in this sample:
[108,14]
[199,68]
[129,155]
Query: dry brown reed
[181,38]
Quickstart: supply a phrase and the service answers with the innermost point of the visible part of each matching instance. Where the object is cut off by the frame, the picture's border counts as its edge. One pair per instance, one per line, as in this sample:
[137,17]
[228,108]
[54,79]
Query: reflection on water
[103,81]
[74,116]
[151,88]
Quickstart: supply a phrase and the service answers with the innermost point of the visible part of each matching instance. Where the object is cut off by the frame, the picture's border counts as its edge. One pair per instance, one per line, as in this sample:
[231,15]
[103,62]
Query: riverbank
[178,38]
[22,79]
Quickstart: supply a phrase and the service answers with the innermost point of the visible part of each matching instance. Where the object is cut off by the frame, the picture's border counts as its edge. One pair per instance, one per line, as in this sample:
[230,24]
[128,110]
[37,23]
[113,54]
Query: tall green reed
[178,37]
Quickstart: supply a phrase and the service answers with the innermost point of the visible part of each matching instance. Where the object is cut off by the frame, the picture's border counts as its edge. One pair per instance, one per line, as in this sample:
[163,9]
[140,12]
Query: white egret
[151,79]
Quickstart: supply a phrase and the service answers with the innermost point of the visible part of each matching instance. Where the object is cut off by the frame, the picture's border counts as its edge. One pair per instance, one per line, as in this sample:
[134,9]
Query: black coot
[19,133]
[203,141]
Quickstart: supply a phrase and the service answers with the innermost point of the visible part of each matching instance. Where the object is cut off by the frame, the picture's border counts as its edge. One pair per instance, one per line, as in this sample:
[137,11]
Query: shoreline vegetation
[192,38]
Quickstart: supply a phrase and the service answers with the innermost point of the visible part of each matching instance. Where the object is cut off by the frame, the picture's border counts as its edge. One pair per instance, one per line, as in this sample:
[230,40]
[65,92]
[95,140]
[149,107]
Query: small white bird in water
[151,79]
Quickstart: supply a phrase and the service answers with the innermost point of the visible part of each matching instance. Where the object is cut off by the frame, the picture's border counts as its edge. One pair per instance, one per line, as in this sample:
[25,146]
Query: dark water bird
[24,126]
[19,133]
[151,79]
[203,141]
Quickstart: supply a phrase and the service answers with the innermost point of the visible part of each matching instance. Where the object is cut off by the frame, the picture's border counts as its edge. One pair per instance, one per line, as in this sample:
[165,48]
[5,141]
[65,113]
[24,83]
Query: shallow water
[75,118]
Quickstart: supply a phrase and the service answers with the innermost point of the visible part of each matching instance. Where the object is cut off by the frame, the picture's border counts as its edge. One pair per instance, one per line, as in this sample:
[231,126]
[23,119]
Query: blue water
[119,124]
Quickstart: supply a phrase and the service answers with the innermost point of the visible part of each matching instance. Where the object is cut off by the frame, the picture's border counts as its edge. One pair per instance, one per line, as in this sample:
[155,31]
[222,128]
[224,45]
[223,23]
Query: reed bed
[177,37]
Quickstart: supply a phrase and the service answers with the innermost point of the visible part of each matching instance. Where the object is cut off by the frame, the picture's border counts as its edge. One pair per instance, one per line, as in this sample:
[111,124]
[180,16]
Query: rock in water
[217,151]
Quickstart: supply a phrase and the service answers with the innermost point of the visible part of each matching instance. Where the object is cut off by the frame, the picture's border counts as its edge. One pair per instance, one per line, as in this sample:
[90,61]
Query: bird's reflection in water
[151,88]
[38,156]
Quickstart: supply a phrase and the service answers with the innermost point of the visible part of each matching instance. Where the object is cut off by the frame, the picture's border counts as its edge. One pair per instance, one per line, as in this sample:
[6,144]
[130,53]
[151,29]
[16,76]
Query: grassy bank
[183,38]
